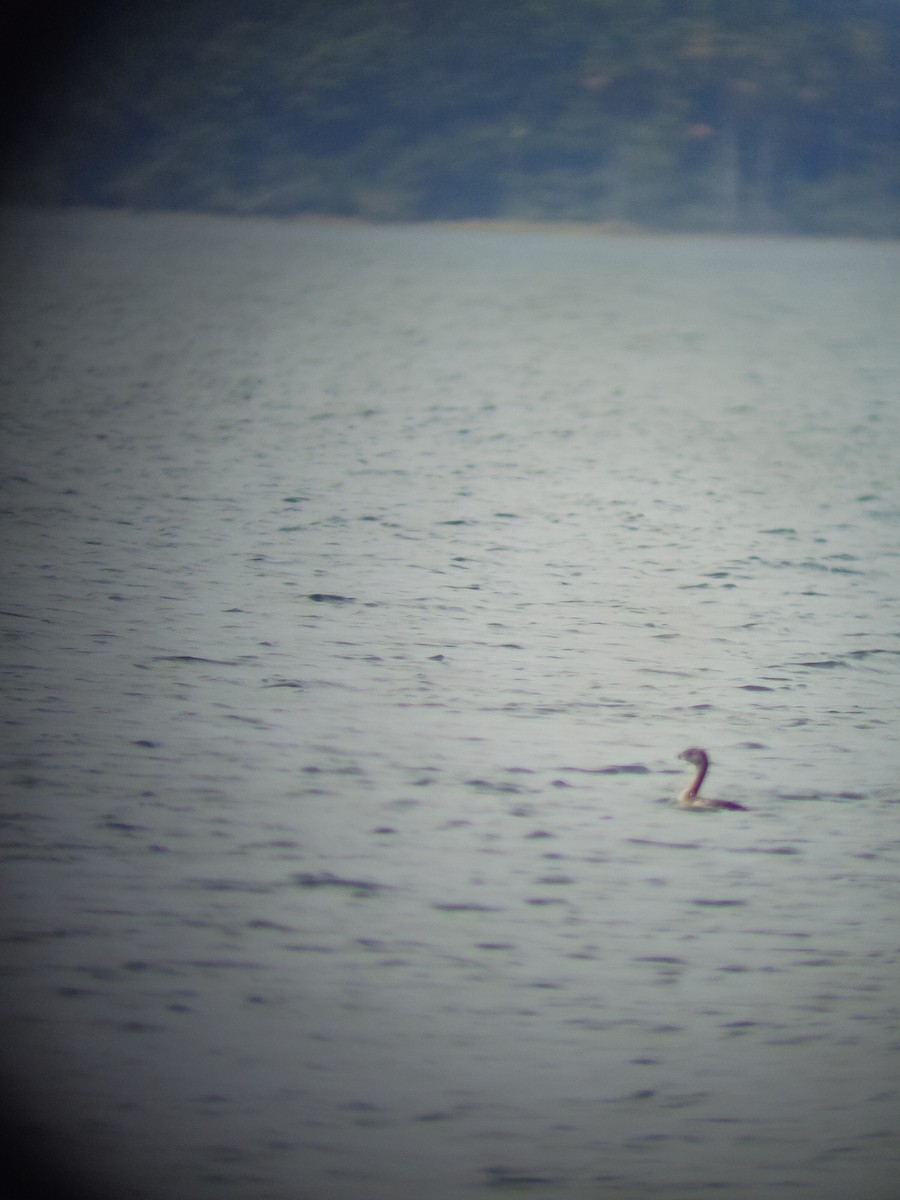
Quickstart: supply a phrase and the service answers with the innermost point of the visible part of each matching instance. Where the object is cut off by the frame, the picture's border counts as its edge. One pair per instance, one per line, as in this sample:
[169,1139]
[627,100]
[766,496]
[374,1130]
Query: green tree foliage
[698,114]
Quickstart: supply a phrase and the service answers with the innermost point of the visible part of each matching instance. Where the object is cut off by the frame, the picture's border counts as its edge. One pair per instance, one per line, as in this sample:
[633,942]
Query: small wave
[359,887]
[624,769]
[637,841]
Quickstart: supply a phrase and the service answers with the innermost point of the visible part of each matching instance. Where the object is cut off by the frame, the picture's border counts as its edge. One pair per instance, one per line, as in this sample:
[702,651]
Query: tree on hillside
[750,114]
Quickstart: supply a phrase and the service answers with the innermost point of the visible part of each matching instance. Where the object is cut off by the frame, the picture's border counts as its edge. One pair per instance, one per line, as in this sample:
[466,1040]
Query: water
[362,586]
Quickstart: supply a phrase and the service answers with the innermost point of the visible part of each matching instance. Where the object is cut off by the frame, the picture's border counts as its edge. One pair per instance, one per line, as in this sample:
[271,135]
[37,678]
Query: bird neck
[698,779]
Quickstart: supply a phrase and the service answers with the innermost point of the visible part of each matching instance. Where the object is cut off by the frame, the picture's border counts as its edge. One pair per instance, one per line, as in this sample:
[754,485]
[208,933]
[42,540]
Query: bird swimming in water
[690,796]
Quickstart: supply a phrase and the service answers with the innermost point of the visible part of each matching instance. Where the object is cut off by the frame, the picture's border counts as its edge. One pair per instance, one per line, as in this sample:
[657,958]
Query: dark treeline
[681,114]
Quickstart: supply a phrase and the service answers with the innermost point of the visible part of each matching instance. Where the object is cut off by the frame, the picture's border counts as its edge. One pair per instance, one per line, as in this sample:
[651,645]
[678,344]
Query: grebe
[690,797]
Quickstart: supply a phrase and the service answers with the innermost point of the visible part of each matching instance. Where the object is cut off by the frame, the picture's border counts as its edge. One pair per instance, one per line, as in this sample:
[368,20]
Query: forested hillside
[748,115]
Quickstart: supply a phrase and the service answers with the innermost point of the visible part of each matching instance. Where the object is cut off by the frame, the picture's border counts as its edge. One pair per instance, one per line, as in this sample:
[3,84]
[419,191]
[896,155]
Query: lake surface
[362,586]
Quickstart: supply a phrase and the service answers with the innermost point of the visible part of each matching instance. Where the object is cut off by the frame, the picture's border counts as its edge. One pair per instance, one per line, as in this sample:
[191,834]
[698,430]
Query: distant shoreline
[608,229]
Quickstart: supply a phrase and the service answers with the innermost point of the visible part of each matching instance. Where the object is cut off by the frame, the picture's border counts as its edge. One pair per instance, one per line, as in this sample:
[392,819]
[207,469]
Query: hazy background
[363,581]
[737,115]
